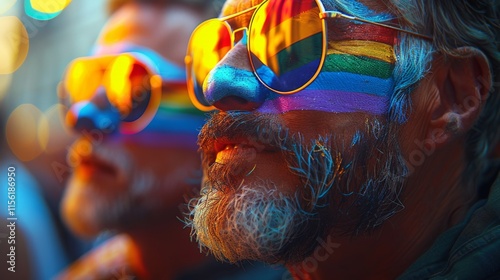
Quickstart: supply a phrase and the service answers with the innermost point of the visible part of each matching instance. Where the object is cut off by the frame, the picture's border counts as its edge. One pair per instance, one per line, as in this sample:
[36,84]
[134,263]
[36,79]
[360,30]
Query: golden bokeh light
[53,135]
[14,45]
[22,131]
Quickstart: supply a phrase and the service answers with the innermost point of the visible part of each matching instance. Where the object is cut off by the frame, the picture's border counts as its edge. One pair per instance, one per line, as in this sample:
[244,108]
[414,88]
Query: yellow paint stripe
[370,49]
[176,97]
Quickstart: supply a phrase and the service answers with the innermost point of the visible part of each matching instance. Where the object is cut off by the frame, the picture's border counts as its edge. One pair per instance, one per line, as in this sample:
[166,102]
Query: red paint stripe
[341,29]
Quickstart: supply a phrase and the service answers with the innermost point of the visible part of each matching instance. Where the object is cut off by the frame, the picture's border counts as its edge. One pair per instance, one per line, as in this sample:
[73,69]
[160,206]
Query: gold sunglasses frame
[104,61]
[323,15]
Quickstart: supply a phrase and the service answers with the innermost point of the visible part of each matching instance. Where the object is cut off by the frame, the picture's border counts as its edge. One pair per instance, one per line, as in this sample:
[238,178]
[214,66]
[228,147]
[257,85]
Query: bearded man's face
[269,192]
[282,169]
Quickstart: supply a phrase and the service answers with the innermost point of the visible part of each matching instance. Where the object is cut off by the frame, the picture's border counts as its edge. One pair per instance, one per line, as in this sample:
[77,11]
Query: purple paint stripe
[164,140]
[332,101]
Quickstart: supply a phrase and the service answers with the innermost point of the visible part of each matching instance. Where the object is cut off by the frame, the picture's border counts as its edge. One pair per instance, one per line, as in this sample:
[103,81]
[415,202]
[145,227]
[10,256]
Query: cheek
[339,126]
[337,92]
[418,133]
[413,144]
[170,129]
[356,77]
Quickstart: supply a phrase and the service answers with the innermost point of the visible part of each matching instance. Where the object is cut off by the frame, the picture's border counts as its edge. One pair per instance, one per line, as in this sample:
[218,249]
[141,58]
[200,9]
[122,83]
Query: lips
[226,150]
[91,161]
[234,152]
[96,164]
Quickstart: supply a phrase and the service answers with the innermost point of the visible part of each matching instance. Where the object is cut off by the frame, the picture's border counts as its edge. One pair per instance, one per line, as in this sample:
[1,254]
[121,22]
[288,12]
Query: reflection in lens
[140,92]
[208,45]
[144,108]
[118,84]
[83,77]
[286,43]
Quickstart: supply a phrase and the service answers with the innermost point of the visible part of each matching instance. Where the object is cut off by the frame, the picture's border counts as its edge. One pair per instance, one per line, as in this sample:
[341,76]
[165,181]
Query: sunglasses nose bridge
[232,85]
[94,114]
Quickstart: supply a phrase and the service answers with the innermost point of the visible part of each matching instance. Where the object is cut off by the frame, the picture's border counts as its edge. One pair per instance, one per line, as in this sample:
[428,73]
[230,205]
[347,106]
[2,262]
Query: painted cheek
[170,128]
[336,93]
[175,123]
[348,83]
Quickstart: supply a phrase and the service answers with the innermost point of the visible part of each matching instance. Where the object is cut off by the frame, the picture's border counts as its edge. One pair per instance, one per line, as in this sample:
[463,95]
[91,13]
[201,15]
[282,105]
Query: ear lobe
[463,82]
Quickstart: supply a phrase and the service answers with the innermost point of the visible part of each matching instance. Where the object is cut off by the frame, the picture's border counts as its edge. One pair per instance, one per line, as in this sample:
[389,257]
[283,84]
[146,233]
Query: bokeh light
[53,135]
[22,131]
[5,5]
[49,6]
[14,45]
[37,8]
[5,81]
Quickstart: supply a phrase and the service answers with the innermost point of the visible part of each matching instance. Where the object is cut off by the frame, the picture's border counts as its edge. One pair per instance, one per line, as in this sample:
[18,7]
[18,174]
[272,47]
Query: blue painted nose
[232,85]
[94,114]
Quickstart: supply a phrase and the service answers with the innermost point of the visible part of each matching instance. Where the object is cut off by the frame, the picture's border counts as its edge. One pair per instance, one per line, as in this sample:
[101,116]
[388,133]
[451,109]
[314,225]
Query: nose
[231,85]
[94,114]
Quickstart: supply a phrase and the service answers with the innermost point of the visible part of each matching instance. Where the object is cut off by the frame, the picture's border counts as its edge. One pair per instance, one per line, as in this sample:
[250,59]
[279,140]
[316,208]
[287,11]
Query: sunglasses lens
[128,84]
[82,79]
[127,87]
[286,43]
[133,90]
[208,45]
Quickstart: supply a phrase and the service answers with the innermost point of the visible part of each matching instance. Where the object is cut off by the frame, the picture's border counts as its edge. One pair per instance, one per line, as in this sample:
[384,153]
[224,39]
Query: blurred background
[35,48]
[38,38]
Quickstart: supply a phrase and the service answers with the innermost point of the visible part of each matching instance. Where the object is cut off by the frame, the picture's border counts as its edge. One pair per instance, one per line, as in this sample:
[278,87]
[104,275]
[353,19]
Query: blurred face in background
[136,153]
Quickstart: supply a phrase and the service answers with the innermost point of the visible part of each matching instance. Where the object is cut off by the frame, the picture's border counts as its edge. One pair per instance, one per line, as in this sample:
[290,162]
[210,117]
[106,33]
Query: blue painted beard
[337,193]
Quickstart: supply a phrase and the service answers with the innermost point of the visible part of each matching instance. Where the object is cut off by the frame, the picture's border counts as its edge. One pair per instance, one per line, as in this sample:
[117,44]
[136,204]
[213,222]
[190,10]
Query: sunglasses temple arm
[324,15]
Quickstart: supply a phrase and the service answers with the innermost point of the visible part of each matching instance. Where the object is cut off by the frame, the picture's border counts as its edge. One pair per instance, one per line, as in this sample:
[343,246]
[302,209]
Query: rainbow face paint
[132,91]
[356,75]
[299,49]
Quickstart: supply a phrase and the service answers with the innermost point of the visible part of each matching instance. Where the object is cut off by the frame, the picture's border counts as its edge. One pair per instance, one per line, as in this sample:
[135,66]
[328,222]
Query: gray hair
[452,25]
[464,23]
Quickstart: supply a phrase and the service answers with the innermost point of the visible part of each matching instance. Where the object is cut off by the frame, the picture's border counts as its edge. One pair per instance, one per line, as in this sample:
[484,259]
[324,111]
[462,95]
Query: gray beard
[113,211]
[337,195]
[138,198]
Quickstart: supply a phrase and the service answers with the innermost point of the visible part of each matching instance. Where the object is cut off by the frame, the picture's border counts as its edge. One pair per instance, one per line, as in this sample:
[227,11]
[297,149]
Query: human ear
[463,82]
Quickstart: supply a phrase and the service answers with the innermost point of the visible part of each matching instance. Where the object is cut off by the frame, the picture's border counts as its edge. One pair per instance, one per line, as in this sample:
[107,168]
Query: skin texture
[252,173]
[134,184]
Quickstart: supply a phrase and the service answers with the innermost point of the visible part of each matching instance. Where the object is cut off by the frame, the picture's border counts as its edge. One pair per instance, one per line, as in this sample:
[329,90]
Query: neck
[435,200]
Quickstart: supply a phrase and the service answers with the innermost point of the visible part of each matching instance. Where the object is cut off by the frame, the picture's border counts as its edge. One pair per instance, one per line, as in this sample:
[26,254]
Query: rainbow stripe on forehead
[360,48]
[357,71]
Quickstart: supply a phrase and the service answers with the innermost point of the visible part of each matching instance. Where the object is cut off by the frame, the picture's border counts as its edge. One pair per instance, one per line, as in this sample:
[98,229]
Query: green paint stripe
[358,65]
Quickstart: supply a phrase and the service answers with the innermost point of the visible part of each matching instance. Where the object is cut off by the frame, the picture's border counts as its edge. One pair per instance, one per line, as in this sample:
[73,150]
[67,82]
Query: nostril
[231,88]
[236,103]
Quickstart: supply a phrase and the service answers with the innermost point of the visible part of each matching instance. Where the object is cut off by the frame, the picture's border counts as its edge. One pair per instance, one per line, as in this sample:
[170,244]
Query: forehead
[233,6]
